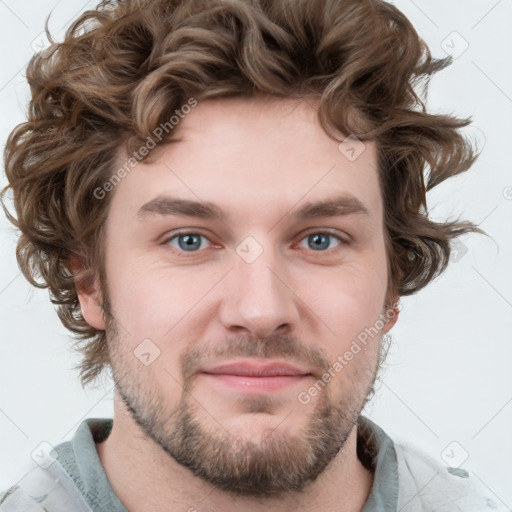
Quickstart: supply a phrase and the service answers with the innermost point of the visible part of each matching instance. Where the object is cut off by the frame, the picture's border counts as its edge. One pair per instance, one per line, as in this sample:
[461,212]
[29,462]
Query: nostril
[283,327]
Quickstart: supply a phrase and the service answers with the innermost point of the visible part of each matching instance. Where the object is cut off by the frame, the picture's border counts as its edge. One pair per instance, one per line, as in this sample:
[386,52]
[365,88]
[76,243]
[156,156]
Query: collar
[80,459]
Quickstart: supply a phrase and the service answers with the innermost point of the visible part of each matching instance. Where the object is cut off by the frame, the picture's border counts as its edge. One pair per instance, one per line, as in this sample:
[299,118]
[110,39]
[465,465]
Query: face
[241,265]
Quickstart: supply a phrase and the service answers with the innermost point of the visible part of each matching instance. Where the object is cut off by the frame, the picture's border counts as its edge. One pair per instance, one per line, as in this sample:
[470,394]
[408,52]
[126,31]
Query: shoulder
[426,485]
[45,487]
[4,494]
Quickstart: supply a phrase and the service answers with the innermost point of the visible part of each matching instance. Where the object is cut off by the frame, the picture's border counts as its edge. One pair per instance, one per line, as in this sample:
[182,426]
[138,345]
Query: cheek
[348,300]
[136,295]
[153,300]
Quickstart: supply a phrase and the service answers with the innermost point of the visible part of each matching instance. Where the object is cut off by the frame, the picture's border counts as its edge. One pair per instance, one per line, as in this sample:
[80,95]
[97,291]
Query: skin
[259,161]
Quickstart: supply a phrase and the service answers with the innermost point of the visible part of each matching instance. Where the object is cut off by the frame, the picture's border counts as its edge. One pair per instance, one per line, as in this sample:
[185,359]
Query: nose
[258,298]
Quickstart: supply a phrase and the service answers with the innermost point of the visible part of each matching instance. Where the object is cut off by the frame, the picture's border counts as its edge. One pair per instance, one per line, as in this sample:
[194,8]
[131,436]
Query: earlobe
[92,311]
[89,294]
[391,313]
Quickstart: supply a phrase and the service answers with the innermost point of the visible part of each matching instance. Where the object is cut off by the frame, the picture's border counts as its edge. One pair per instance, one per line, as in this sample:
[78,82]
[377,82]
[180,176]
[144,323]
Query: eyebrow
[342,205]
[168,205]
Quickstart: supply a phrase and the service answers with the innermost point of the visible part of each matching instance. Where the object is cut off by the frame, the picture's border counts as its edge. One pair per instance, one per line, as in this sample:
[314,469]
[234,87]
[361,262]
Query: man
[226,200]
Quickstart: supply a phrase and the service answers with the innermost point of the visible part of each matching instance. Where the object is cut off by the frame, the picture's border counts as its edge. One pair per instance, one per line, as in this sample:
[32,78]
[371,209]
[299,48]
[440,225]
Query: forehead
[254,157]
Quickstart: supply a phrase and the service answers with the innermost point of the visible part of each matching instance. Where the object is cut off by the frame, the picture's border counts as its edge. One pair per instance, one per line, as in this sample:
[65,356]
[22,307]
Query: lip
[253,368]
[256,376]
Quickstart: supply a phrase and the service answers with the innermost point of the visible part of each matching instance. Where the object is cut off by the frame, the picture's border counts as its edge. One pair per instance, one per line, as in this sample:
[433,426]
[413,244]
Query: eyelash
[183,233]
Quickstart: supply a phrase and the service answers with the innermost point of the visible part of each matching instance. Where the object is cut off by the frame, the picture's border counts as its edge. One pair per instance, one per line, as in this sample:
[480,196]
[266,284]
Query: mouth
[256,376]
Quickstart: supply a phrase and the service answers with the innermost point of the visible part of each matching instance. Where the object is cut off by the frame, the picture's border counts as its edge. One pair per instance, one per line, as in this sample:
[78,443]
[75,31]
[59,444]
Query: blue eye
[189,242]
[193,242]
[321,241]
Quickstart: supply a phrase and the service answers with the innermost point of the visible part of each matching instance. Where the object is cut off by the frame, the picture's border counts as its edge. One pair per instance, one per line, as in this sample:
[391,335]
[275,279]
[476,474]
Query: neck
[146,478]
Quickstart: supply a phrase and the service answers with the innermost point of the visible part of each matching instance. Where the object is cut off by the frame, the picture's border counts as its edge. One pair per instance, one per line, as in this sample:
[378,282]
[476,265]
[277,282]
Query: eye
[188,242]
[321,241]
[192,242]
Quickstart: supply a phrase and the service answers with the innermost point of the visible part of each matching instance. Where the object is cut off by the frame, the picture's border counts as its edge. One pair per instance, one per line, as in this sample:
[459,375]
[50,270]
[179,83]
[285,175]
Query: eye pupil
[319,241]
[187,242]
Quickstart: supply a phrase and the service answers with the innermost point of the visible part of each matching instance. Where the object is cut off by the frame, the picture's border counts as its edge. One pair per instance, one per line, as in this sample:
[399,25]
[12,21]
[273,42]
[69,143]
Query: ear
[391,313]
[89,294]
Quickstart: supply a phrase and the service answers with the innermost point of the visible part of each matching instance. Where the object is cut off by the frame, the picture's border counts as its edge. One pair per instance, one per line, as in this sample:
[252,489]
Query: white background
[448,375]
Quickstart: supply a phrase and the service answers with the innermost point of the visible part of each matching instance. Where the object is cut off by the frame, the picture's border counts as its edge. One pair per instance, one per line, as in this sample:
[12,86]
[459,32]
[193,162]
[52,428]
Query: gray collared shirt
[80,459]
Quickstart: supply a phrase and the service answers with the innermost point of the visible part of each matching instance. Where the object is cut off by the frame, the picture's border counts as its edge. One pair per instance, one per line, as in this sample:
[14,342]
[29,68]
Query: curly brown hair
[125,67]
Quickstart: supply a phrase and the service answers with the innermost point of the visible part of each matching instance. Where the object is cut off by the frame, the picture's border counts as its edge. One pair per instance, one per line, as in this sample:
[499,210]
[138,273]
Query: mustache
[276,346]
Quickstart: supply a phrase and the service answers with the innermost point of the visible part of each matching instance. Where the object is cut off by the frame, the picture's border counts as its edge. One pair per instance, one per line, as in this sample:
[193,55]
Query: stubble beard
[280,462]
